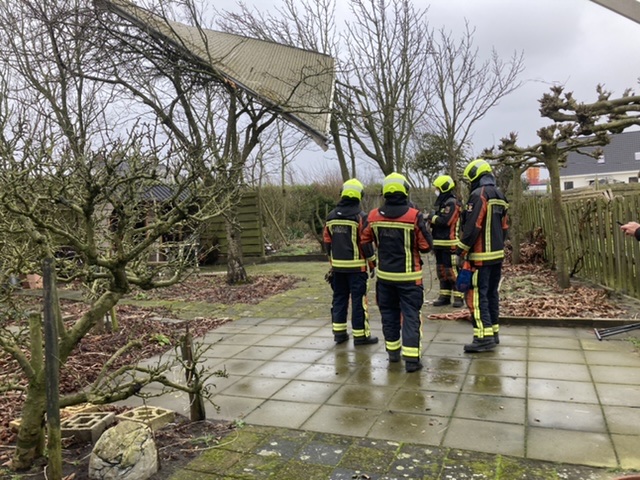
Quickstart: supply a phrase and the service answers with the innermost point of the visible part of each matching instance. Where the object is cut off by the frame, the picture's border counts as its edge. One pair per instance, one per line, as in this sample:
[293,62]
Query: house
[619,163]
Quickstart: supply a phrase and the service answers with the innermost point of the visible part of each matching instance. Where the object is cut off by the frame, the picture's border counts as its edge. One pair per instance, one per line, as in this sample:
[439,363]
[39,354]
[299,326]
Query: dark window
[633,179]
[568,185]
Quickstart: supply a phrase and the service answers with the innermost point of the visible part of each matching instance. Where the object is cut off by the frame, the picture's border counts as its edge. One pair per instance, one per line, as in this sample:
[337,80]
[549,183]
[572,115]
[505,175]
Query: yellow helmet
[352,188]
[395,182]
[476,169]
[444,183]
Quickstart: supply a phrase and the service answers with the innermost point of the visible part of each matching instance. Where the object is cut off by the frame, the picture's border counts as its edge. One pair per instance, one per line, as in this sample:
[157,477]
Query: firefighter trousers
[350,286]
[400,305]
[484,301]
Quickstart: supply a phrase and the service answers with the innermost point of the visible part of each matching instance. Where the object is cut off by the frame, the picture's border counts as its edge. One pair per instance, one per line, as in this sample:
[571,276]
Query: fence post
[52,367]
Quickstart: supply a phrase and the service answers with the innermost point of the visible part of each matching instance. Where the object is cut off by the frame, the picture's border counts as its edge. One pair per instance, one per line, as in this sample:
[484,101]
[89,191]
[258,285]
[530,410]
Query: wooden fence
[598,251]
[250,225]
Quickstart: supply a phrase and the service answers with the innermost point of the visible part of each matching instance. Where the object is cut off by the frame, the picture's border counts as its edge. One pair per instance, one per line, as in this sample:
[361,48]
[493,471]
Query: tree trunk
[337,143]
[515,229]
[30,442]
[235,269]
[560,243]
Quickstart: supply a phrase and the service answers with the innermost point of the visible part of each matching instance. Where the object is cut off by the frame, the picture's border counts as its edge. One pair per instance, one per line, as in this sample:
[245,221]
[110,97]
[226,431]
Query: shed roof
[622,154]
[296,83]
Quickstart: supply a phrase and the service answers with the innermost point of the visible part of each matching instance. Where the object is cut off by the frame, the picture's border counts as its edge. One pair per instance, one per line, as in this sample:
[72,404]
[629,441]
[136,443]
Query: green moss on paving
[215,461]
[283,433]
[195,475]
[242,441]
[369,460]
[300,470]
[256,466]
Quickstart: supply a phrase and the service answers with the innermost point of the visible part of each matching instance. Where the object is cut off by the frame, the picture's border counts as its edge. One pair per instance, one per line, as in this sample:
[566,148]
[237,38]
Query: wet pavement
[546,403]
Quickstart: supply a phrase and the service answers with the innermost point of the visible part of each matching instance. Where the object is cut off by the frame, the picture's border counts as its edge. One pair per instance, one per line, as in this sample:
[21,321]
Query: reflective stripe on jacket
[342,239]
[485,224]
[399,241]
[444,223]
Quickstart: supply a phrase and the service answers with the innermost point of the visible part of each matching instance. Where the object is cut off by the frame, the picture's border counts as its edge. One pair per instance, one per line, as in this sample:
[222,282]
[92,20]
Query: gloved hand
[328,277]
[463,282]
[459,262]
[372,272]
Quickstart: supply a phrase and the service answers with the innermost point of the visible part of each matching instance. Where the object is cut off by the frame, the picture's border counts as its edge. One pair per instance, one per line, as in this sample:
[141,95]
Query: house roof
[619,156]
[296,83]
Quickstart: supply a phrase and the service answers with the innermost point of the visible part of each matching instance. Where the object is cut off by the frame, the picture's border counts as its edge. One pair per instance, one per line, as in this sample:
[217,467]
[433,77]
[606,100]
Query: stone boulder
[124,452]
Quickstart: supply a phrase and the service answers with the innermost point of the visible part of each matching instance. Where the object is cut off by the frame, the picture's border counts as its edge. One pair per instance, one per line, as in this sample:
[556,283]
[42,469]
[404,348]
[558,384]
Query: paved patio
[550,394]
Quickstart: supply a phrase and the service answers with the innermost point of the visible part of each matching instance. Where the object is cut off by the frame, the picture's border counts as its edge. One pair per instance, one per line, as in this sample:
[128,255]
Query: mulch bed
[184,439]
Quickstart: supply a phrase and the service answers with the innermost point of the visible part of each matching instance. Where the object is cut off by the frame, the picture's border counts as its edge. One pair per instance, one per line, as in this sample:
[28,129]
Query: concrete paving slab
[619,375]
[340,419]
[550,370]
[579,447]
[627,448]
[566,416]
[562,390]
[397,426]
[485,436]
[492,408]
[285,414]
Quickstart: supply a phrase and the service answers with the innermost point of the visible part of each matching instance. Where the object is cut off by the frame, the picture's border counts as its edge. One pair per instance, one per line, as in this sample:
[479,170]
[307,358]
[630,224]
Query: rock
[124,452]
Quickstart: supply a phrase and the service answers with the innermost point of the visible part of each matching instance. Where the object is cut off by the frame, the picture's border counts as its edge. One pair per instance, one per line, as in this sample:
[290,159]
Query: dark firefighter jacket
[485,224]
[400,234]
[342,237]
[444,221]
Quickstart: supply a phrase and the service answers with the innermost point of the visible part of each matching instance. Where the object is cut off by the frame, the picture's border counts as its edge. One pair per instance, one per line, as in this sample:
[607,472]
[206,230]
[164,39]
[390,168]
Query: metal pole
[607,332]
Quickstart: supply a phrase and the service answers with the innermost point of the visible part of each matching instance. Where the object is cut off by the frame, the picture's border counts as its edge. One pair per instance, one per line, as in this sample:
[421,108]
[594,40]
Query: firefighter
[481,250]
[349,259]
[400,234]
[444,227]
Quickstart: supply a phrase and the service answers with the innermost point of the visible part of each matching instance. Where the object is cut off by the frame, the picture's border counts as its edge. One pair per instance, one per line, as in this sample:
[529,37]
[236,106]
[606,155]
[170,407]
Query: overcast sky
[575,43]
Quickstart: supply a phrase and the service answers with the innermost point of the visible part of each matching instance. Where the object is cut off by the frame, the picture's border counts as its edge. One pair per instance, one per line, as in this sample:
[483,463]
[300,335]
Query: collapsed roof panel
[296,83]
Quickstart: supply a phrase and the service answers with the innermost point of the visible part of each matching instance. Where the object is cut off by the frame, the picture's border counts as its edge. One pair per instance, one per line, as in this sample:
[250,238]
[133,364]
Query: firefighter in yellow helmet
[444,228]
[350,259]
[400,234]
[481,252]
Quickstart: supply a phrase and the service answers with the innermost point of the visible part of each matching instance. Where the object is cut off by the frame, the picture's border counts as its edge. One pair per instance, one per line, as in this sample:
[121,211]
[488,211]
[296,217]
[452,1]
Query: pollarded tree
[74,178]
[577,125]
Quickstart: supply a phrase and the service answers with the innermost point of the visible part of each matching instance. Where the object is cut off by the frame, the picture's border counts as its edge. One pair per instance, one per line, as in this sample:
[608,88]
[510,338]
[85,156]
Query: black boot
[457,302]
[365,340]
[340,337]
[496,338]
[441,301]
[413,366]
[394,356]
[485,344]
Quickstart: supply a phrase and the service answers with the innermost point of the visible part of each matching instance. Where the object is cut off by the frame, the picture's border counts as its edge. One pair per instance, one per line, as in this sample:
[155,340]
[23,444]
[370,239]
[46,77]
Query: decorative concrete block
[76,409]
[154,417]
[87,426]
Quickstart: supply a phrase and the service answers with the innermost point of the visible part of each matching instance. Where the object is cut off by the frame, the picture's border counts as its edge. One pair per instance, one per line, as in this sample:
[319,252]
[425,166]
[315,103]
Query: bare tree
[218,122]
[464,89]
[73,179]
[382,102]
[382,57]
